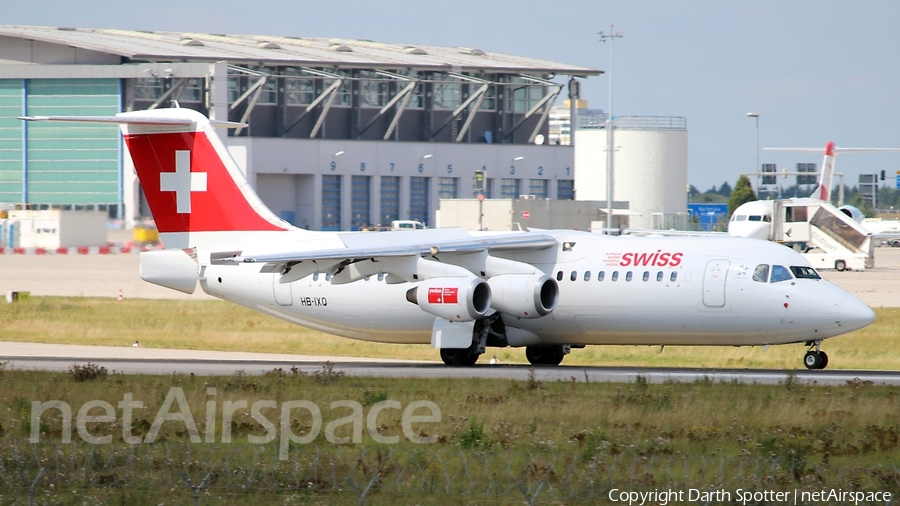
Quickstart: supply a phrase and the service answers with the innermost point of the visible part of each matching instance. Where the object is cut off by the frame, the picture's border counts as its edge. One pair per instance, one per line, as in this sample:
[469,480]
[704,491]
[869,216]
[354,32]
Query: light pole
[611,37]
[756,116]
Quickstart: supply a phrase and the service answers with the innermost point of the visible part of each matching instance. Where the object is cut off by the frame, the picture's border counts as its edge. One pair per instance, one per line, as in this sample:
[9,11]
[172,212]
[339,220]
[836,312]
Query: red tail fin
[191,182]
[826,176]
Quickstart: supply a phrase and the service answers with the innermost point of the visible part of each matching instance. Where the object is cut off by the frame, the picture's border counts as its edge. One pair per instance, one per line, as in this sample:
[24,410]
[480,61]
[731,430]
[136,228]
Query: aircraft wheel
[469,358]
[840,265]
[544,355]
[824,358]
[456,357]
[814,360]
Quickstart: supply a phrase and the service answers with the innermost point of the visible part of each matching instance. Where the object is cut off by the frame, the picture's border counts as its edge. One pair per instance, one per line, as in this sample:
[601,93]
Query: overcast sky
[814,70]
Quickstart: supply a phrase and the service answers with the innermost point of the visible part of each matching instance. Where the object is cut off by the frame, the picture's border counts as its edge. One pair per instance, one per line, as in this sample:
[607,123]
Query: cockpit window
[780,273]
[803,272]
[756,218]
[740,217]
[761,273]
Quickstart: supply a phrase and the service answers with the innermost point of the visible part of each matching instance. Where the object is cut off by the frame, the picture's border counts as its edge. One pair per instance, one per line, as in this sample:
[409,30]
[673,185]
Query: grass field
[497,441]
[216,325]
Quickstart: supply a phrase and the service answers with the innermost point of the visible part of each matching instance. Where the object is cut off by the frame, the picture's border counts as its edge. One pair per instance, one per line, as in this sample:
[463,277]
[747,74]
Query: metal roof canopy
[295,51]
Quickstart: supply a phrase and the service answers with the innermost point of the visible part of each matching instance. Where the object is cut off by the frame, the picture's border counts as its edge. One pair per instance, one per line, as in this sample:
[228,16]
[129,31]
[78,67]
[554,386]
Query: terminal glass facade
[331,202]
[418,199]
[509,188]
[538,188]
[361,194]
[448,187]
[59,164]
[11,129]
[390,199]
[565,189]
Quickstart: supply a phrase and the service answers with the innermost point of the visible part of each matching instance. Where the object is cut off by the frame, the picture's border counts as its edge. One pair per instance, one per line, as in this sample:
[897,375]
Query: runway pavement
[208,363]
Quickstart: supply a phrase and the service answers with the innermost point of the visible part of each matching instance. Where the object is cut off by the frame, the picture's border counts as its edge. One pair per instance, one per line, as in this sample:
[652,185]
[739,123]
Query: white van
[407,225]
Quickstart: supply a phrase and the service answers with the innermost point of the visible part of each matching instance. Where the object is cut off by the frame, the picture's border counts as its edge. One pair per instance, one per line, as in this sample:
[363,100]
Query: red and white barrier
[83,250]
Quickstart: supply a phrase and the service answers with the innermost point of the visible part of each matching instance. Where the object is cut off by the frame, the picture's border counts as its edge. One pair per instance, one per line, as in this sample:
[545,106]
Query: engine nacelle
[524,296]
[854,213]
[454,299]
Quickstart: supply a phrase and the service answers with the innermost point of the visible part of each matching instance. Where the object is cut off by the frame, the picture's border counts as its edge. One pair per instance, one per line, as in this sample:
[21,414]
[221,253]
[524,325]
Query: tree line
[887,199]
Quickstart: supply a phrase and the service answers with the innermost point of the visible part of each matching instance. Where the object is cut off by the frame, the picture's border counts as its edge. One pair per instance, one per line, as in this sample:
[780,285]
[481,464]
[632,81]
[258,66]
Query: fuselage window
[367,277]
[761,274]
[574,276]
[780,273]
[559,276]
[615,275]
[380,276]
[587,275]
[673,276]
[316,276]
[601,275]
[628,276]
[327,276]
[659,276]
[803,272]
[646,276]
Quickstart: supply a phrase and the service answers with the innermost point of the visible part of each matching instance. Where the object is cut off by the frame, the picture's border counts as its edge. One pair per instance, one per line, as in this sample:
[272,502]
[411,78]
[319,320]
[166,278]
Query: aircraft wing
[526,242]
[665,233]
[392,252]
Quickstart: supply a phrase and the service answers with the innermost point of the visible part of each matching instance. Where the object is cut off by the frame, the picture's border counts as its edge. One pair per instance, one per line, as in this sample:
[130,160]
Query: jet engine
[454,299]
[524,296]
[854,213]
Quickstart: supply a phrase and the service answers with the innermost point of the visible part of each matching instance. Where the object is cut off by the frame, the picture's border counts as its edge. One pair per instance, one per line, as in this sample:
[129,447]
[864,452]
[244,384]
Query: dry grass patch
[494,439]
[216,325]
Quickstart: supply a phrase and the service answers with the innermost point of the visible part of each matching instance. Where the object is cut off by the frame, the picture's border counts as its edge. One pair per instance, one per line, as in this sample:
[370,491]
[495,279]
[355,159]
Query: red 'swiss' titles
[658,259]
[443,295]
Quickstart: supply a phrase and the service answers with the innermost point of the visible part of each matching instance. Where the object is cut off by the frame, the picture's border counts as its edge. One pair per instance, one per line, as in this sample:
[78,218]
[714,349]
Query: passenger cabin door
[714,283]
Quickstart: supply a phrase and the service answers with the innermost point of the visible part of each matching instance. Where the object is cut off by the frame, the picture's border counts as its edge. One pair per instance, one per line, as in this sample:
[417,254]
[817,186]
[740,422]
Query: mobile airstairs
[827,237]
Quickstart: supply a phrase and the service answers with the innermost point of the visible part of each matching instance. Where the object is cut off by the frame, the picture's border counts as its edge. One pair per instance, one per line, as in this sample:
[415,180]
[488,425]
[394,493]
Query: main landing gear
[546,355]
[459,357]
[815,359]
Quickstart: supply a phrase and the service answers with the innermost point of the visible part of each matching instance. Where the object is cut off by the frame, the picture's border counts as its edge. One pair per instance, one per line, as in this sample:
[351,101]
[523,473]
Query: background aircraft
[754,219]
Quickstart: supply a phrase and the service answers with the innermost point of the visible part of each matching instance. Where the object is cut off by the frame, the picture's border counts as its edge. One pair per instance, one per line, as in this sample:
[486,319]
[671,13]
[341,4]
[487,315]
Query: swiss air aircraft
[548,291]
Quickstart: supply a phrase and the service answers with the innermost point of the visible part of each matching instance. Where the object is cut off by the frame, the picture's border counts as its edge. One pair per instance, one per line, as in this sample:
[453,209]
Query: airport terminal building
[342,134]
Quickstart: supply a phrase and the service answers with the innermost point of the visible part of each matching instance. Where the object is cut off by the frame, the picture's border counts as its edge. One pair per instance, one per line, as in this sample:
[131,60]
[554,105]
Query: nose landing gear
[815,359]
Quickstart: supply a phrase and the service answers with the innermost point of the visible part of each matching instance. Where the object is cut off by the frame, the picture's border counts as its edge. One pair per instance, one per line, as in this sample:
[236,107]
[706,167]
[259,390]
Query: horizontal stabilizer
[837,150]
[132,119]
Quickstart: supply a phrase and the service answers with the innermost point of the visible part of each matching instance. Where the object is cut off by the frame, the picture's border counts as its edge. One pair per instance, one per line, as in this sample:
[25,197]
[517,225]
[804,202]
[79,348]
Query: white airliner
[547,291]
[754,219]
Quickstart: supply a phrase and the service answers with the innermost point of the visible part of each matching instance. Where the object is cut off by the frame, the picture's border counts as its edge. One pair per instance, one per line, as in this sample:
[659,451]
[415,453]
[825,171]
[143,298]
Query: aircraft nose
[855,314]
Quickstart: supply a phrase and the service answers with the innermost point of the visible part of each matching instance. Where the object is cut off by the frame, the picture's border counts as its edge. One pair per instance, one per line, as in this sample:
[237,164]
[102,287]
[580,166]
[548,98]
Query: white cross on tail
[183,182]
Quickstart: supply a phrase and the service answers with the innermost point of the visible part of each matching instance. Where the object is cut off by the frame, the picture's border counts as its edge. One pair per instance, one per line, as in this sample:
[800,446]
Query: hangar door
[714,283]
